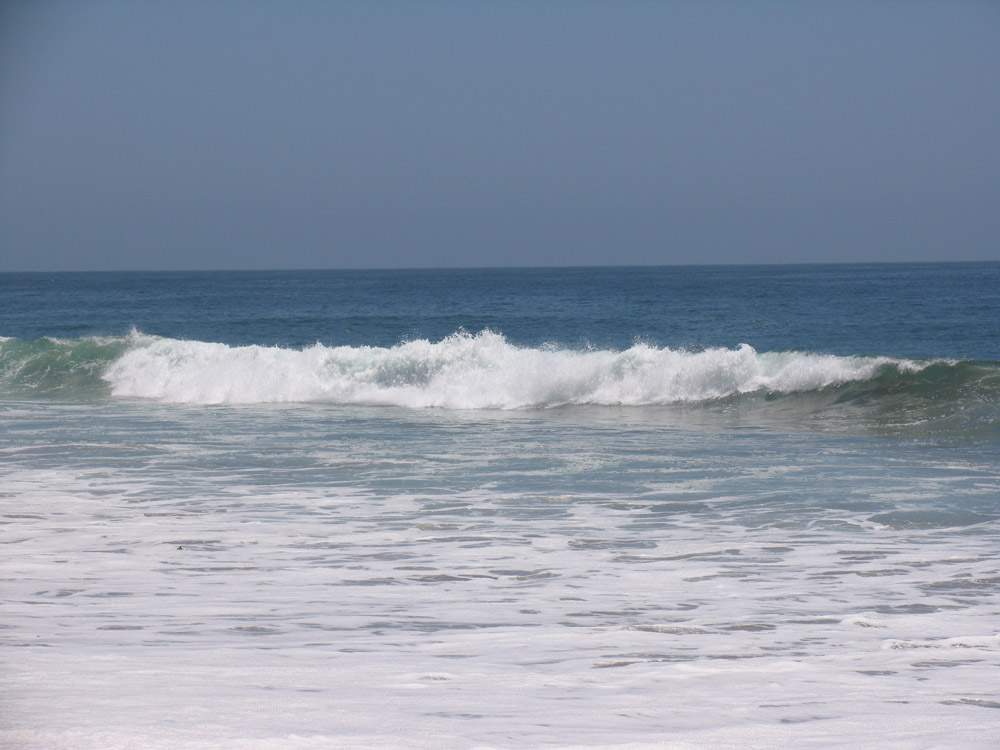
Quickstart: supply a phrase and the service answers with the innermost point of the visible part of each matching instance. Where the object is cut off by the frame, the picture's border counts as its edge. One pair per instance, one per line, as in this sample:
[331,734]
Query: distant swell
[463,371]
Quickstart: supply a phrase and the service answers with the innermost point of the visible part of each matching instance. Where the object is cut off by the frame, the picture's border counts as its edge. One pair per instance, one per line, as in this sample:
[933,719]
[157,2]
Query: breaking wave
[485,371]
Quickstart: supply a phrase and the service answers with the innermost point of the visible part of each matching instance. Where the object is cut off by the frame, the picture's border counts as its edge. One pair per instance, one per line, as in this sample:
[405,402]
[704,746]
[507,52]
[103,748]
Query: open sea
[688,507]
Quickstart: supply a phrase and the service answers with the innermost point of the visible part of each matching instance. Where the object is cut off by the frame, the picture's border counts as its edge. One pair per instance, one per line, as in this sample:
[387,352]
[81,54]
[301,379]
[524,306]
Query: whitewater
[604,508]
[462,371]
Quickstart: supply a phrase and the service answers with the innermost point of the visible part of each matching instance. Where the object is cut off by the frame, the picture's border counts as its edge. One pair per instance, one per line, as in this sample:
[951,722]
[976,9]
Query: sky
[257,135]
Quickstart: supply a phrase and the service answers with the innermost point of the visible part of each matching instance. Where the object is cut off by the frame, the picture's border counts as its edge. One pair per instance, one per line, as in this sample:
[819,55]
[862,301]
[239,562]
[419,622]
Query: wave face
[485,371]
[70,368]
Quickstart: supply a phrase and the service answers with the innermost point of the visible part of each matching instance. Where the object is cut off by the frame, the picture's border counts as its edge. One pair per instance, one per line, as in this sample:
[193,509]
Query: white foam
[219,583]
[465,371]
[965,641]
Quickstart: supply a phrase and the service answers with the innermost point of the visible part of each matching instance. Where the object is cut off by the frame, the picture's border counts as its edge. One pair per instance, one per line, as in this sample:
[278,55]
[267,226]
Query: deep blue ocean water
[902,310]
[723,506]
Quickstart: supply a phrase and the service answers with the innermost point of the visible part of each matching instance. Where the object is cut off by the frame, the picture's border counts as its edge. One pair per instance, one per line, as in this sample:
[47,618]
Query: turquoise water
[743,506]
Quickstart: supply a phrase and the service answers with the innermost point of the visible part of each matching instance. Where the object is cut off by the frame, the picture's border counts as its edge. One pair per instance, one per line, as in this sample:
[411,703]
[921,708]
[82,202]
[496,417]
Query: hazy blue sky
[370,134]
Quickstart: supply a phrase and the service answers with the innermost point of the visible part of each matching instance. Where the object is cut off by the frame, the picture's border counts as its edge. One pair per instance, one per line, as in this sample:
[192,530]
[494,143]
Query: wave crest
[470,371]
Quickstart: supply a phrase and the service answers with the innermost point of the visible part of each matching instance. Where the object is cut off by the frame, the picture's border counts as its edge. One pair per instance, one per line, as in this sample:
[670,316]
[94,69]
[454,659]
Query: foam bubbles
[465,371]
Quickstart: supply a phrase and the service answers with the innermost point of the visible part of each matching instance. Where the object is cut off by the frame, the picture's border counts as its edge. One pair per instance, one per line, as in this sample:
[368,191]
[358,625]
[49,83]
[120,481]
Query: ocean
[690,507]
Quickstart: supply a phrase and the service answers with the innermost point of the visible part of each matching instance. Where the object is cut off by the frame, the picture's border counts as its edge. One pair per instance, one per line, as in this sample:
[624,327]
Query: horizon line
[540,267]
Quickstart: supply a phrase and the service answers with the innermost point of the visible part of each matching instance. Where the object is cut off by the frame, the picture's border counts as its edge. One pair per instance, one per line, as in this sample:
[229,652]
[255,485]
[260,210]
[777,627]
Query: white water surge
[465,371]
[316,576]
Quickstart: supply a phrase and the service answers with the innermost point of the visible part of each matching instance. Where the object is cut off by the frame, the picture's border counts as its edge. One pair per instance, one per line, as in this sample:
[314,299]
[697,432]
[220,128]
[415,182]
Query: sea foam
[469,371]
